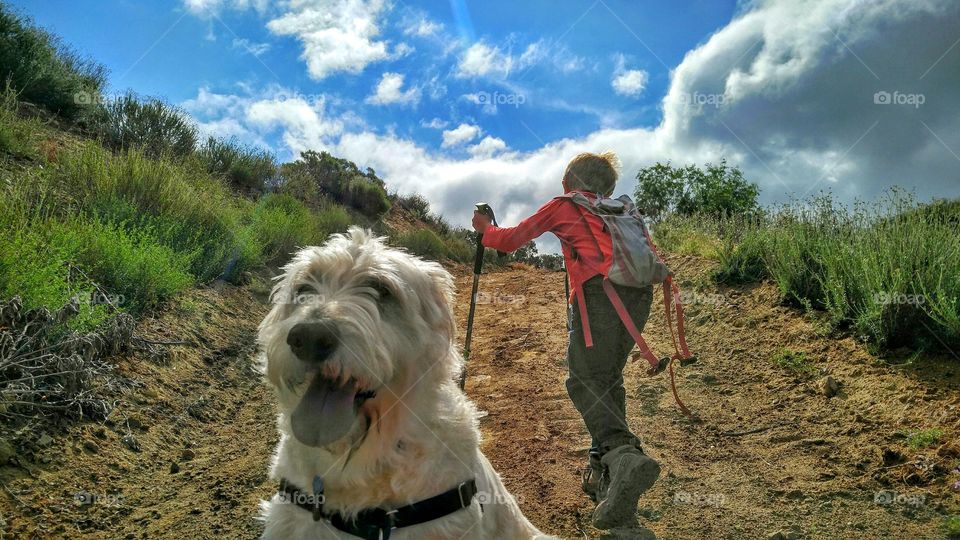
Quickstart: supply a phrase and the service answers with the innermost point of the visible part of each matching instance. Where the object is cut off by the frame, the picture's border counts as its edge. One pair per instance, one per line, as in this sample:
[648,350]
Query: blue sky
[467,101]
[167,49]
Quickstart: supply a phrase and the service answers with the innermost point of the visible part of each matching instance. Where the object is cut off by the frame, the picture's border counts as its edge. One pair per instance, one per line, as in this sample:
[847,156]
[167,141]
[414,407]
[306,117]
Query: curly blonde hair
[596,173]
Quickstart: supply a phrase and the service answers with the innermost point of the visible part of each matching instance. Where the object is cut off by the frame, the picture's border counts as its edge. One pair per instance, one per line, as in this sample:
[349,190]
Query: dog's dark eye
[303,290]
[383,292]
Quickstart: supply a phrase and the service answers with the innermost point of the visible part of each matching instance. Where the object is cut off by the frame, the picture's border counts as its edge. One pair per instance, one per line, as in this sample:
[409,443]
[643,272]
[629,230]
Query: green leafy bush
[332,218]
[416,205]
[281,224]
[339,179]
[192,214]
[886,271]
[924,438]
[247,169]
[423,242]
[155,128]
[18,136]
[369,197]
[44,71]
[795,361]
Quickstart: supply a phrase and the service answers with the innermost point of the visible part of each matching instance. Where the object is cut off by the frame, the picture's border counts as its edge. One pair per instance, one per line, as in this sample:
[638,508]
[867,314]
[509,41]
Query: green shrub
[339,179]
[18,136]
[39,274]
[150,125]
[192,214]
[423,242]
[43,70]
[795,361]
[366,196]
[332,218]
[246,169]
[951,527]
[130,265]
[459,249]
[715,190]
[415,205]
[281,224]
[688,235]
[885,271]
[924,438]
[47,261]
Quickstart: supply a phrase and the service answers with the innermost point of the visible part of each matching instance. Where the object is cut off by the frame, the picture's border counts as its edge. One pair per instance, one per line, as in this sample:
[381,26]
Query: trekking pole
[486,210]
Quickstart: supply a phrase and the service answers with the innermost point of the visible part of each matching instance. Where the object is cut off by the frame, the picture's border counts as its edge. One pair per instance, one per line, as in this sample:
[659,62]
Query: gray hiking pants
[595,381]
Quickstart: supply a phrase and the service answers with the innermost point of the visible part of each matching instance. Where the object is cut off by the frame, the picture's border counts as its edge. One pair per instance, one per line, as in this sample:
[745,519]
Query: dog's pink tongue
[325,413]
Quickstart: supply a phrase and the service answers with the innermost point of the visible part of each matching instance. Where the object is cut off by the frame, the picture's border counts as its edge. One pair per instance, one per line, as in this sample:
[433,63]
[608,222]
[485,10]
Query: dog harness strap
[377,523]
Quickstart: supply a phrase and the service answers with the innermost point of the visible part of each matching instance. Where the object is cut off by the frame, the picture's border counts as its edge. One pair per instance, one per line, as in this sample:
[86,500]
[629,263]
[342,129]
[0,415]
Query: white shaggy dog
[359,347]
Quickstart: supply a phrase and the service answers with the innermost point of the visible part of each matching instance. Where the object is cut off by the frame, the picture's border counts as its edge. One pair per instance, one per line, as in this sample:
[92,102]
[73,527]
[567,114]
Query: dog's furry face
[355,325]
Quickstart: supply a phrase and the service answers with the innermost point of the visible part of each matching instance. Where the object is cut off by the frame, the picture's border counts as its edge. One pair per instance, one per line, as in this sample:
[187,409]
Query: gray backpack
[635,262]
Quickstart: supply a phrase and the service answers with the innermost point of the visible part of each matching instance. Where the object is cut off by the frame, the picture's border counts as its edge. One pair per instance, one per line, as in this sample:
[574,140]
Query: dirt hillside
[186,452]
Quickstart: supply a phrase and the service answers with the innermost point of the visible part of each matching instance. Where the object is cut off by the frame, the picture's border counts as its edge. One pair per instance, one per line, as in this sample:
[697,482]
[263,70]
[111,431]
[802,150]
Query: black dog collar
[377,523]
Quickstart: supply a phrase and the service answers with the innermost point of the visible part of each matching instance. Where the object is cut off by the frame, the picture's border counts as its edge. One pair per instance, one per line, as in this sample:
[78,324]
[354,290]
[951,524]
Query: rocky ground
[776,451]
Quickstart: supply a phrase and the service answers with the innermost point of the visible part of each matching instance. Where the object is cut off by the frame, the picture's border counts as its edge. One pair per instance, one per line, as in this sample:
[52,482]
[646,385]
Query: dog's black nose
[313,341]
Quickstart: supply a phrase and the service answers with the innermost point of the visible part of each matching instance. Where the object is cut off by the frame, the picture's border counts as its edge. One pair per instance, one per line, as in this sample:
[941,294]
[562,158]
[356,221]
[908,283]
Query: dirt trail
[771,452]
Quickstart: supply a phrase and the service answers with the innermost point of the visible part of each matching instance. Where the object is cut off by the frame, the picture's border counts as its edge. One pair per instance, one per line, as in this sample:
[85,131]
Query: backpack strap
[655,364]
[631,327]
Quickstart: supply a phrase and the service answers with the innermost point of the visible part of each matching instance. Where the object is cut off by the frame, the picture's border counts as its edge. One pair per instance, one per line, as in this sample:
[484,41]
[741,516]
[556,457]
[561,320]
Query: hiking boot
[631,474]
[595,478]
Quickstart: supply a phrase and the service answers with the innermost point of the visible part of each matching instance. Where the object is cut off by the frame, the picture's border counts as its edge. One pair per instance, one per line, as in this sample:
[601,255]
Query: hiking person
[599,341]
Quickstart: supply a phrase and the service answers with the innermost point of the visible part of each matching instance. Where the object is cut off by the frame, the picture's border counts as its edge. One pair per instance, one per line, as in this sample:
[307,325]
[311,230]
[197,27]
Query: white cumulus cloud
[628,82]
[337,35]
[390,90]
[487,147]
[459,135]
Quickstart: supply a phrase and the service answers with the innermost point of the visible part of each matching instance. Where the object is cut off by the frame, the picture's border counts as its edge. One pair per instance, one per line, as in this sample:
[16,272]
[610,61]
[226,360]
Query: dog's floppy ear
[439,309]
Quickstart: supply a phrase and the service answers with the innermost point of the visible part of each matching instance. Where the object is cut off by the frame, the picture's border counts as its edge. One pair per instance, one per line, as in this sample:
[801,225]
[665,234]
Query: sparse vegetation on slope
[887,272]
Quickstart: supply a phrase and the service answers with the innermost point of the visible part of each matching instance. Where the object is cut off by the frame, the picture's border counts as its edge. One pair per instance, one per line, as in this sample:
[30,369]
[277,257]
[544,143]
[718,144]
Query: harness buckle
[384,531]
[461,492]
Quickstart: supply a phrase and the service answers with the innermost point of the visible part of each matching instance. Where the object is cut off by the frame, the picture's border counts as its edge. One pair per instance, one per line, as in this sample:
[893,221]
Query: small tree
[715,189]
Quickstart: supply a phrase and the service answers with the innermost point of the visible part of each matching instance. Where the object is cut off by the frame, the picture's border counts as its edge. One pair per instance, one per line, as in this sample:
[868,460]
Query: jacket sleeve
[510,238]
